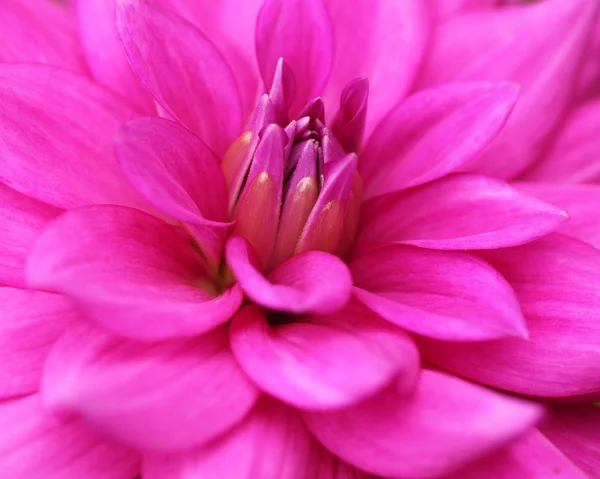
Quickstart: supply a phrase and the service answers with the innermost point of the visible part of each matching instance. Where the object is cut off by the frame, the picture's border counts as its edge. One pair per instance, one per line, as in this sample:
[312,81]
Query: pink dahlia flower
[298,240]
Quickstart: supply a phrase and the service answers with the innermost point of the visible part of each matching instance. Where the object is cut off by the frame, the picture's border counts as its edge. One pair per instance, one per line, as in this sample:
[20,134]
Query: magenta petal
[348,126]
[460,211]
[35,445]
[445,295]
[444,425]
[178,174]
[556,281]
[541,47]
[129,272]
[310,282]
[29,324]
[172,395]
[433,133]
[300,33]
[441,9]
[383,41]
[183,70]
[57,131]
[321,364]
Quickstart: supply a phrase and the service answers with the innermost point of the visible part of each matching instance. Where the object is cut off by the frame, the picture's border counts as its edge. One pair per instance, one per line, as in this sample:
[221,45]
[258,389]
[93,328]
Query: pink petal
[445,295]
[433,133]
[310,282]
[29,324]
[444,425]
[555,279]
[442,9]
[22,219]
[178,174]
[531,457]
[129,272]
[183,70]
[574,152]
[382,41]
[40,32]
[169,396]
[105,55]
[301,33]
[34,445]
[459,212]
[320,363]
[574,429]
[348,125]
[541,47]
[57,132]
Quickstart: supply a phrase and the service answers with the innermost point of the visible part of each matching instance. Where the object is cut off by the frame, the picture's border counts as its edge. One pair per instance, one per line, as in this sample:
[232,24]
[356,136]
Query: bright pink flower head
[262,257]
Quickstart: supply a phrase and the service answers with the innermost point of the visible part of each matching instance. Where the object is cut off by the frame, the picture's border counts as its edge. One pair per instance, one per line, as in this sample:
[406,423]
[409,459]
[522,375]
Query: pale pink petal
[383,41]
[29,324]
[310,282]
[440,9]
[573,156]
[574,429]
[57,131]
[129,272]
[540,46]
[35,445]
[40,32]
[183,70]
[22,219]
[433,133]
[301,33]
[321,364]
[462,211]
[169,396]
[531,457]
[556,281]
[178,174]
[105,55]
[444,425]
[445,295]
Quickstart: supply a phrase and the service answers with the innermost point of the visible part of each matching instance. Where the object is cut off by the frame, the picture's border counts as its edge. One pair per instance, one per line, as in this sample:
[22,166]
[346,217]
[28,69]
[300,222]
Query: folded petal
[183,70]
[433,133]
[555,279]
[57,131]
[382,41]
[574,430]
[461,211]
[310,282]
[23,219]
[444,425]
[170,396]
[301,33]
[573,156]
[35,445]
[445,295]
[129,272]
[541,47]
[320,364]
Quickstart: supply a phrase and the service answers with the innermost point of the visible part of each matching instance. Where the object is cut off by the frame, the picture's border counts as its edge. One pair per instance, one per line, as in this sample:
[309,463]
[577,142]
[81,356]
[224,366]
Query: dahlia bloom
[298,240]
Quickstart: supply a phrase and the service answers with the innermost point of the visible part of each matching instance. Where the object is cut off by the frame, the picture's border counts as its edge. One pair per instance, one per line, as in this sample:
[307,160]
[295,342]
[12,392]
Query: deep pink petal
[433,133]
[129,272]
[35,445]
[22,219]
[320,364]
[183,70]
[541,47]
[311,282]
[555,279]
[440,9]
[444,425]
[446,295]
[57,131]
[169,396]
[460,211]
[382,41]
[348,125]
[300,32]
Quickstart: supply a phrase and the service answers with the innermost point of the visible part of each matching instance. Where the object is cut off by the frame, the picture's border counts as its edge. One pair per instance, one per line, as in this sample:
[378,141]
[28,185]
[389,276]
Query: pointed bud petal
[332,150]
[236,162]
[348,126]
[314,109]
[352,217]
[283,91]
[263,115]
